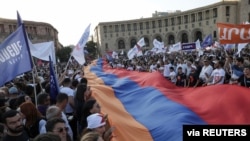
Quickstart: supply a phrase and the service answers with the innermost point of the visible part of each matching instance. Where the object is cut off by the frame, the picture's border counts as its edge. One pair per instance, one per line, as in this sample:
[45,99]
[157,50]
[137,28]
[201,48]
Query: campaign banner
[188,46]
[232,34]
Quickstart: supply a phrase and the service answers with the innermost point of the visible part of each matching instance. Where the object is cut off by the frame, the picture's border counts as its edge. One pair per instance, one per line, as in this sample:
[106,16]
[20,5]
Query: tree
[91,49]
[64,53]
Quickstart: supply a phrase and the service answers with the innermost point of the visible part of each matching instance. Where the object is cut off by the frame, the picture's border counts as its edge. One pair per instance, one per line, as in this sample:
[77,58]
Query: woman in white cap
[96,122]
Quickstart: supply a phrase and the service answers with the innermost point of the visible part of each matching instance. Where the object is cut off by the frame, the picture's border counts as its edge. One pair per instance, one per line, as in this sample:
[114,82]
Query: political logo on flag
[78,51]
[208,41]
[54,87]
[14,53]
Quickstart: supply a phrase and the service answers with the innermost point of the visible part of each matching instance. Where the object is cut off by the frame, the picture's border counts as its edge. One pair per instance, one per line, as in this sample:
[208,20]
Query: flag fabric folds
[78,51]
[136,49]
[147,107]
[208,41]
[43,51]
[54,86]
[15,57]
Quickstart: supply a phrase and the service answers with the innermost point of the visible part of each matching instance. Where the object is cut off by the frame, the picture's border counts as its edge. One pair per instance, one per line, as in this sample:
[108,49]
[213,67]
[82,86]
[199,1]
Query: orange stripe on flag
[120,118]
[232,33]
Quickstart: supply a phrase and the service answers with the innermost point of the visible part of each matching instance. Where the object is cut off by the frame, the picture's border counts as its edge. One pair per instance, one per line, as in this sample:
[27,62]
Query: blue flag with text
[54,87]
[208,41]
[15,58]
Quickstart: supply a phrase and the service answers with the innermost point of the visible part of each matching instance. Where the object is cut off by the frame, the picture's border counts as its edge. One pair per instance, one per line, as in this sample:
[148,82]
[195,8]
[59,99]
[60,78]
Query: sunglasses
[60,130]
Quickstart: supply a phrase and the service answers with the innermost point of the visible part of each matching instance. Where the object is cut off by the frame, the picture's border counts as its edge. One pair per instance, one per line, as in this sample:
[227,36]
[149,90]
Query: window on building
[116,28]
[35,30]
[186,19]
[106,46]
[132,43]
[147,25]
[146,41]
[184,38]
[2,28]
[215,12]
[171,39]
[11,29]
[135,26]
[200,16]
[121,44]
[153,24]
[172,21]
[129,27]
[215,34]
[248,1]
[207,14]
[158,38]
[110,29]
[166,22]
[193,17]
[198,35]
[105,29]
[179,20]
[159,24]
[141,26]
[123,27]
[227,10]
[31,30]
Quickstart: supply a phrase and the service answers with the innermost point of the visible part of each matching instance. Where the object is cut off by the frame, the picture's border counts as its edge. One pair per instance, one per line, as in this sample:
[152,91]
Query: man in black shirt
[244,79]
[14,124]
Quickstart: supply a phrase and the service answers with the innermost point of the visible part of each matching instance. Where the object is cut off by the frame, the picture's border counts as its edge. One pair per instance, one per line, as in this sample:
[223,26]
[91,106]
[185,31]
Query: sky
[71,17]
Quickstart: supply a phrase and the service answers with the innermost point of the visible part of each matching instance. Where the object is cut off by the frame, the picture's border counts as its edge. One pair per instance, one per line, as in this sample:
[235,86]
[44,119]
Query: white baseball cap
[95,120]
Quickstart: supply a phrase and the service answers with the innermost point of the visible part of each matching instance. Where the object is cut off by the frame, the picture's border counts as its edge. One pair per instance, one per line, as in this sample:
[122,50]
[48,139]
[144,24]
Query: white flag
[78,52]
[43,50]
[240,47]
[175,47]
[158,44]
[133,51]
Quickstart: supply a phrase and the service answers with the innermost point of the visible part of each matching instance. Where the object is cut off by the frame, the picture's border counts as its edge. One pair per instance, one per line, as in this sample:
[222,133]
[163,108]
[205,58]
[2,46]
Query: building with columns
[37,31]
[170,27]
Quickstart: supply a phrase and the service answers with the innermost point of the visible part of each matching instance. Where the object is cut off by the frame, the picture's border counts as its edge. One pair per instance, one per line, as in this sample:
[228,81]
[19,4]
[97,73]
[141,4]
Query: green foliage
[64,54]
[92,50]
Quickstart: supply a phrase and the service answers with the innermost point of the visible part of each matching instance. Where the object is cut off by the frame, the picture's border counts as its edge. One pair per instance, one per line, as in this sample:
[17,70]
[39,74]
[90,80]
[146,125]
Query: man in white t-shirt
[218,74]
[166,71]
[206,72]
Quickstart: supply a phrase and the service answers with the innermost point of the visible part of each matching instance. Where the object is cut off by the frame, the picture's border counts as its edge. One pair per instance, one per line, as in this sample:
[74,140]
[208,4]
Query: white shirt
[69,92]
[206,69]
[172,76]
[166,71]
[217,73]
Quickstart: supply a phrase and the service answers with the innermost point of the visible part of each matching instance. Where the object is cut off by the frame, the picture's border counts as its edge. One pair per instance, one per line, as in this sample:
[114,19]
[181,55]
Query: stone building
[37,31]
[170,27]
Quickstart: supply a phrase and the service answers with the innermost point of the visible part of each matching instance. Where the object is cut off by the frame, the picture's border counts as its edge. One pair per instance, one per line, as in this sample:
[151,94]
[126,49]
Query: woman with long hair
[34,121]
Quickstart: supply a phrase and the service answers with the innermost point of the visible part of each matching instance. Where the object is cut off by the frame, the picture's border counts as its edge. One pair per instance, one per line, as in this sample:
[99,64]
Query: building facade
[37,31]
[170,27]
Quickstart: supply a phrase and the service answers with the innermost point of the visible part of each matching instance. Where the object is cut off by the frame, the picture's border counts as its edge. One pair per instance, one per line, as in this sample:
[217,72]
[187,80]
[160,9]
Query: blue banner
[15,58]
[188,46]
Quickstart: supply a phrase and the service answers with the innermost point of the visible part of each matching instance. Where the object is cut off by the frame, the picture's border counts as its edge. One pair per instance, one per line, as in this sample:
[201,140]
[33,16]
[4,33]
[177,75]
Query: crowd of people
[191,69]
[29,113]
